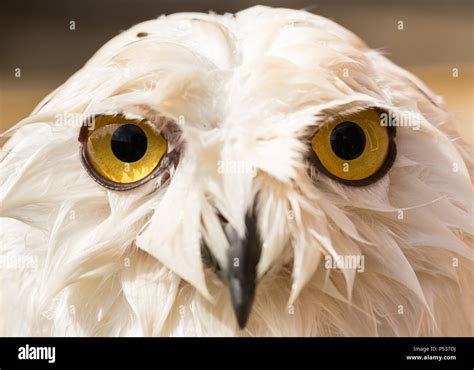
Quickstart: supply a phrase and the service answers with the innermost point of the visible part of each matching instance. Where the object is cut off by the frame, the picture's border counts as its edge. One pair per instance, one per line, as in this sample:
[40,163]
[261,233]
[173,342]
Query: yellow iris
[124,150]
[353,147]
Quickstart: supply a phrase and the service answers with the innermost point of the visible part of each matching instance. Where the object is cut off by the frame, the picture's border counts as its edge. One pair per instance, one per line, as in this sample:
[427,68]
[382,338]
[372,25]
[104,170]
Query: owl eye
[121,153]
[355,149]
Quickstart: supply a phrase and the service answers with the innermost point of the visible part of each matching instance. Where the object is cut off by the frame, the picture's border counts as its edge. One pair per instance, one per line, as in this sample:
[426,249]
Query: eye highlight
[355,149]
[120,152]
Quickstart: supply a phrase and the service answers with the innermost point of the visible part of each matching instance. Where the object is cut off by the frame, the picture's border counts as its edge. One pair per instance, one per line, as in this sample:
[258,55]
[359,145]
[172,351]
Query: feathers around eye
[88,260]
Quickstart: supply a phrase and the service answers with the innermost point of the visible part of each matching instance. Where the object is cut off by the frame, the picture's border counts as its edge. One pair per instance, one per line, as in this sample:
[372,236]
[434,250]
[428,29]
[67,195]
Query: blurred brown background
[438,36]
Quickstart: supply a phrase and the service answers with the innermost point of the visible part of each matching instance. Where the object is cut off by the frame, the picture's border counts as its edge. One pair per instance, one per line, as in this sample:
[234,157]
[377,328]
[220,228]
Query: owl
[262,173]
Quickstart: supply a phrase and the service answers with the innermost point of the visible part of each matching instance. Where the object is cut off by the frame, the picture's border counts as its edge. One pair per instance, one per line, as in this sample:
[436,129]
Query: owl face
[225,146]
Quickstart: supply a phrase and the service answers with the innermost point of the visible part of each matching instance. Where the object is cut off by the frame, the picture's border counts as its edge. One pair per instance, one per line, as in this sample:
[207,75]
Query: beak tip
[242,314]
[242,300]
[242,321]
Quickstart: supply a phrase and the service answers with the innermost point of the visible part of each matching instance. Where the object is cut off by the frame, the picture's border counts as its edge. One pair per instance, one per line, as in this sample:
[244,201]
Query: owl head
[252,155]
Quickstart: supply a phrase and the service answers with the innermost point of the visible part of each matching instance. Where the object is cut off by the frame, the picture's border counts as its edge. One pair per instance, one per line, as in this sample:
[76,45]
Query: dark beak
[241,275]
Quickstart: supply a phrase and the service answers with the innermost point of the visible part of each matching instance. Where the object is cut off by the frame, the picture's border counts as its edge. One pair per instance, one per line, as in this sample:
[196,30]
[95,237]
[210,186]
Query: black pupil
[347,140]
[129,143]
